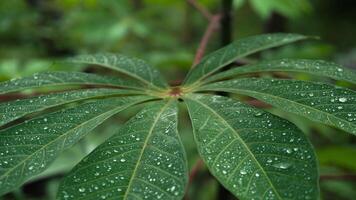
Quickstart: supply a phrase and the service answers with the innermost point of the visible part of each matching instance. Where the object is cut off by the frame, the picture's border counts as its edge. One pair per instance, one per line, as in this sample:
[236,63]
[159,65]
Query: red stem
[203,11]
[212,27]
[194,171]
[341,177]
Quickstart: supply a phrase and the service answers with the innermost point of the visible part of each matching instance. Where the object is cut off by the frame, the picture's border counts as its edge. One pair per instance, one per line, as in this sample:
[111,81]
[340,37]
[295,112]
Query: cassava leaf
[238,49]
[64,79]
[318,102]
[315,67]
[12,110]
[28,148]
[130,66]
[254,154]
[144,160]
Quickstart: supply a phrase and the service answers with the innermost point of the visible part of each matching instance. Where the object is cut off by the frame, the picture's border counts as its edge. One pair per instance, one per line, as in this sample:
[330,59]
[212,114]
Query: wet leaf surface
[144,160]
[254,154]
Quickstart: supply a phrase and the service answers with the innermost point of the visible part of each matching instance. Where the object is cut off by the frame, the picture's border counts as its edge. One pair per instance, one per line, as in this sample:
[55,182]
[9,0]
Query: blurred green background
[166,33]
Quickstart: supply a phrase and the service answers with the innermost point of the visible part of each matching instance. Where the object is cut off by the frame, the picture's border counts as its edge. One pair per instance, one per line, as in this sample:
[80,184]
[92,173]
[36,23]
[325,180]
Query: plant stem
[212,27]
[226,22]
[200,8]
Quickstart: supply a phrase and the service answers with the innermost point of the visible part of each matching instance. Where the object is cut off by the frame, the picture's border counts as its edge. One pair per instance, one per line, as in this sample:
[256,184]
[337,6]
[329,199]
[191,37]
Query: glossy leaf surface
[144,160]
[318,102]
[28,148]
[240,48]
[130,66]
[315,67]
[46,79]
[254,154]
[13,110]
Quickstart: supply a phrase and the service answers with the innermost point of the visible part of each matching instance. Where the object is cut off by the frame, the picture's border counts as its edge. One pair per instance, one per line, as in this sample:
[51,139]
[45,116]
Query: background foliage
[33,33]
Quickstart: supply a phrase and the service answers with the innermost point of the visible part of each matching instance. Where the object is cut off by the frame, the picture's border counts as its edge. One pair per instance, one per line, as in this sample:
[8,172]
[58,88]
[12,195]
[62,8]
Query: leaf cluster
[253,153]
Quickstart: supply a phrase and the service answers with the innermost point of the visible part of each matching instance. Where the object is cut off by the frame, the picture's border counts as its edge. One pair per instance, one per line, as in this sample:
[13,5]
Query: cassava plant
[252,153]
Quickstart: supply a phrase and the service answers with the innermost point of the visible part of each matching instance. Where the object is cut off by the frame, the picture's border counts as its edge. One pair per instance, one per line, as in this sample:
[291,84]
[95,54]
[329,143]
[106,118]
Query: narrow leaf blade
[46,79]
[144,160]
[28,148]
[240,48]
[130,66]
[254,154]
[314,67]
[334,106]
[10,111]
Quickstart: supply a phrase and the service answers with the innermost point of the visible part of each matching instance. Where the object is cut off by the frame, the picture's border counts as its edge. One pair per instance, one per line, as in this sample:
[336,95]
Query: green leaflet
[318,102]
[144,160]
[130,66]
[10,111]
[240,48]
[316,67]
[28,148]
[45,79]
[254,154]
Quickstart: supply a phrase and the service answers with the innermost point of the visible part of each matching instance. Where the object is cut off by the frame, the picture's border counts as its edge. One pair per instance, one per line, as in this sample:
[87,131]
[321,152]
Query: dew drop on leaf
[282,165]
[342,99]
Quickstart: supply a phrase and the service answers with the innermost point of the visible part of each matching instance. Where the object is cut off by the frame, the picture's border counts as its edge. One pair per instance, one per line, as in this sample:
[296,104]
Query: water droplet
[282,165]
[243,172]
[342,99]
[122,160]
[81,189]
[258,114]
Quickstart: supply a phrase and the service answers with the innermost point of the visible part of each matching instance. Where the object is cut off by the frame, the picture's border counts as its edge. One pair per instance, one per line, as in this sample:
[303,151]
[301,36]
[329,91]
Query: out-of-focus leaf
[342,156]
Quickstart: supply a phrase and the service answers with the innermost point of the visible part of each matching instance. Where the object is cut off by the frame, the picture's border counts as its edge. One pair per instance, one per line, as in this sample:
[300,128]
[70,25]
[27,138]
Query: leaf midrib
[242,142]
[144,147]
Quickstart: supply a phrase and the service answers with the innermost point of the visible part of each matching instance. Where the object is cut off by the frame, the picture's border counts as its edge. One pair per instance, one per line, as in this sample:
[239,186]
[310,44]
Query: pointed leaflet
[315,67]
[63,79]
[130,66]
[240,48]
[318,102]
[28,148]
[10,111]
[144,160]
[254,154]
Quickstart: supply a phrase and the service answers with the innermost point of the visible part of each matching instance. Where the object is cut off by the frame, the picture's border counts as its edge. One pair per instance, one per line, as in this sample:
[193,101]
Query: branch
[341,177]
[212,27]
[194,171]
[205,12]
